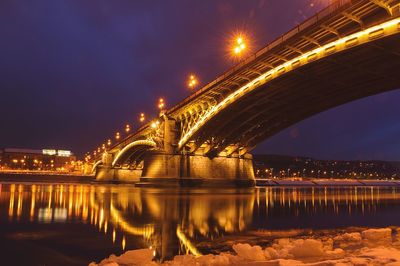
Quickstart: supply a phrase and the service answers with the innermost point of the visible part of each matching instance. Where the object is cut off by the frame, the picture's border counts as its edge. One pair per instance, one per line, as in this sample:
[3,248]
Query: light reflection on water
[191,221]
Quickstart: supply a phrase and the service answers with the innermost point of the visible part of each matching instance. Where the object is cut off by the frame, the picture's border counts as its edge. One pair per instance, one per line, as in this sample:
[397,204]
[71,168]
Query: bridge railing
[324,13]
[307,23]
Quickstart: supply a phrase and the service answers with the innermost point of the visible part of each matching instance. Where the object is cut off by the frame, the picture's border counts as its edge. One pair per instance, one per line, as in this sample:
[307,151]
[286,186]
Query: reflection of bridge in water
[347,51]
[183,222]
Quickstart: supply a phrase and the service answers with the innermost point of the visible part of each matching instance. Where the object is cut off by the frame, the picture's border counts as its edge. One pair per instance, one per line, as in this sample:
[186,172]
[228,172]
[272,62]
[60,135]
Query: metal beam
[255,71]
[244,77]
[233,82]
[311,40]
[383,5]
[265,64]
[331,30]
[354,18]
[294,49]
[280,57]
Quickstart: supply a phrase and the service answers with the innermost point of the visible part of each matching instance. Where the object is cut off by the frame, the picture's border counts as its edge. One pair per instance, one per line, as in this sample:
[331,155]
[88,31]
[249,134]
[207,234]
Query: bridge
[348,51]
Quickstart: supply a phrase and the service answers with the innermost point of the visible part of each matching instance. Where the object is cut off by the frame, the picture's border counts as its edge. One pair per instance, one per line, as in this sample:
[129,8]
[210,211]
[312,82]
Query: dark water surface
[74,224]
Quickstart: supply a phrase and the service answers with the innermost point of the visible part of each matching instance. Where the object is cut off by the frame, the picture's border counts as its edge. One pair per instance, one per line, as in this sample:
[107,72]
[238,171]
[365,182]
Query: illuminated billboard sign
[49,152]
[63,153]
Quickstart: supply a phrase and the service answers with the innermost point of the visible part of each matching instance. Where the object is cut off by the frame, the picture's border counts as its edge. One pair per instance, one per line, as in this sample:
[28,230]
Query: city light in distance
[192,81]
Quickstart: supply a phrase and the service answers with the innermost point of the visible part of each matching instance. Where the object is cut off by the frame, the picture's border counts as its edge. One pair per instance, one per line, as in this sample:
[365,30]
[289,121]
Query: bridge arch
[95,165]
[133,149]
[257,110]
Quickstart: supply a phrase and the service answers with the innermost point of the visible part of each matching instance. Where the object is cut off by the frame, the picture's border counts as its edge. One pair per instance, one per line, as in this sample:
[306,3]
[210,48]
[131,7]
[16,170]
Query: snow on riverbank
[360,248]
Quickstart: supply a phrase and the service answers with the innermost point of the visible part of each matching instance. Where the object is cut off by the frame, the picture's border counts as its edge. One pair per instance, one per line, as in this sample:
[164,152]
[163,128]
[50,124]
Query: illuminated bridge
[349,50]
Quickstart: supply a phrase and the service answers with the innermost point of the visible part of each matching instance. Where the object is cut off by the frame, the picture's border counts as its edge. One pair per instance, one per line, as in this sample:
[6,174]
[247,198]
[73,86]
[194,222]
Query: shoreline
[46,177]
[327,183]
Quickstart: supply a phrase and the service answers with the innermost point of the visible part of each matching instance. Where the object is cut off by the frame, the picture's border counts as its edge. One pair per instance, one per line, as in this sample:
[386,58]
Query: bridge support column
[194,170]
[170,135]
[107,173]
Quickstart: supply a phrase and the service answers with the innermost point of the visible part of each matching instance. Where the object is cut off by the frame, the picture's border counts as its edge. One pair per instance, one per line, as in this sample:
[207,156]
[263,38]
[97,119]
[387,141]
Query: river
[74,224]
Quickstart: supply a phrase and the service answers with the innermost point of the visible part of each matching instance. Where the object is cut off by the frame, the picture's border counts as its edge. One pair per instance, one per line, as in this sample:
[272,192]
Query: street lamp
[142,118]
[161,103]
[192,81]
[155,124]
[117,136]
[239,45]
[127,128]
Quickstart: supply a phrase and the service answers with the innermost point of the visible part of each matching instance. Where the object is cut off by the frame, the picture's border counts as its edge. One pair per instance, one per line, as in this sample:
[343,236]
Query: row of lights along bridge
[237,49]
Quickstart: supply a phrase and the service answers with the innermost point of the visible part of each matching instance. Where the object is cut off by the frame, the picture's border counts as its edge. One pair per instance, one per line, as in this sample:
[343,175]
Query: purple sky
[74,72]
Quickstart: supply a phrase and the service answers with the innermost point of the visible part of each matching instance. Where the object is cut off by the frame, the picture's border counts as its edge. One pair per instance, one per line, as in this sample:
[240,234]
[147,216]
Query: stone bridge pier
[165,166]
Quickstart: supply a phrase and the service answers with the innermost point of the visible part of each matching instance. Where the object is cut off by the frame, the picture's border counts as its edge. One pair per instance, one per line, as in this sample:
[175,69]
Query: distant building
[46,159]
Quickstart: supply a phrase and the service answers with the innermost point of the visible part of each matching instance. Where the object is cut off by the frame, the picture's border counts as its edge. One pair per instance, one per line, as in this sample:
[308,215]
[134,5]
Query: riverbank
[326,183]
[37,176]
[48,176]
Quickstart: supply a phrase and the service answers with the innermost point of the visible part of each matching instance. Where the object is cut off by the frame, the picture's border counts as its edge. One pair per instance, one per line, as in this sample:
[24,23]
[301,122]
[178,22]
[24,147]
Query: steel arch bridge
[348,51]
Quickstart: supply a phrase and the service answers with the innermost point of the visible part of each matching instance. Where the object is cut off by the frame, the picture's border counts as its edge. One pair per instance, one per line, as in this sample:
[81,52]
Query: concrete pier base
[162,169]
[108,174]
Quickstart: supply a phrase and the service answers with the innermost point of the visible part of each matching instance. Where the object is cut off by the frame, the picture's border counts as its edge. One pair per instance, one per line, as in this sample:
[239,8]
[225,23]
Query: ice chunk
[348,237]
[247,252]
[142,257]
[377,234]
[183,260]
[214,260]
[139,256]
[307,248]
[382,255]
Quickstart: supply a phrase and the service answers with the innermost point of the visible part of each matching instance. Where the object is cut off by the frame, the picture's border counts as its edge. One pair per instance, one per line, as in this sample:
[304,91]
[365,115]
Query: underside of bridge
[347,52]
[318,86]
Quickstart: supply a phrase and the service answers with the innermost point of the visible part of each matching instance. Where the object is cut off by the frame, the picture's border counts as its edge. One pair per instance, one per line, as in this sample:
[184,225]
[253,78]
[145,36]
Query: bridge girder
[355,19]
[238,131]
[383,5]
[328,27]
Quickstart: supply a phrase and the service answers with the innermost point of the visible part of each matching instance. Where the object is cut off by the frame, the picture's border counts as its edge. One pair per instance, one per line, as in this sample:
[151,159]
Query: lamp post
[192,81]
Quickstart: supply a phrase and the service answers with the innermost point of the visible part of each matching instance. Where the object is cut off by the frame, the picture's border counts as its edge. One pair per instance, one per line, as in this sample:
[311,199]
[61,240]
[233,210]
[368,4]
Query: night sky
[73,72]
